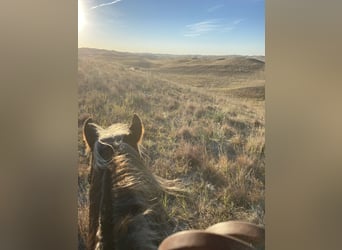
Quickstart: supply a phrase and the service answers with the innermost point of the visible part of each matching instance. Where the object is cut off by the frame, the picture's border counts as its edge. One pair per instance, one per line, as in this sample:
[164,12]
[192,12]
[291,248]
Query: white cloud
[200,28]
[196,29]
[105,4]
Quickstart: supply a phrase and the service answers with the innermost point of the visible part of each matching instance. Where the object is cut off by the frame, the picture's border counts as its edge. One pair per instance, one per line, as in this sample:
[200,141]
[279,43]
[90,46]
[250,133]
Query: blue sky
[209,27]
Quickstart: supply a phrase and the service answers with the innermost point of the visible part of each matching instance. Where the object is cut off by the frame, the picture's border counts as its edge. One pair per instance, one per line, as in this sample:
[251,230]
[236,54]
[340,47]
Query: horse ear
[90,134]
[137,129]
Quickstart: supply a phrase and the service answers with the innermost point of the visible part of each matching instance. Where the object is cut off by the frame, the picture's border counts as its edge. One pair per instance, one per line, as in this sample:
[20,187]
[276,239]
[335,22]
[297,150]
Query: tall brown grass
[204,124]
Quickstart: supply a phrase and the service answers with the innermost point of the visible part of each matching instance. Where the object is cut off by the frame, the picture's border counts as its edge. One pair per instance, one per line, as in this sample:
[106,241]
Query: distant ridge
[87,50]
[180,64]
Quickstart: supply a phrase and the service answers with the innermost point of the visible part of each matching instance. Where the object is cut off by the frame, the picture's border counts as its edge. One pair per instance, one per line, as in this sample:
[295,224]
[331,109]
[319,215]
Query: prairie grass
[204,124]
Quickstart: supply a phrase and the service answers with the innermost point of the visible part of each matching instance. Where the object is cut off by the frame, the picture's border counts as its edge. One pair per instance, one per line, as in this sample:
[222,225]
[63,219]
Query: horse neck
[106,218]
[100,217]
[94,206]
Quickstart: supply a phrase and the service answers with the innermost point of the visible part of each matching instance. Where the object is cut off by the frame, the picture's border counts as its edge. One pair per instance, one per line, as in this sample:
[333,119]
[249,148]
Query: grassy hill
[204,120]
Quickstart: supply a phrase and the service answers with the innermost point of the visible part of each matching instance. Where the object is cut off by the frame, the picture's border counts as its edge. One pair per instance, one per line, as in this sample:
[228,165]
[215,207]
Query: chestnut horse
[125,209]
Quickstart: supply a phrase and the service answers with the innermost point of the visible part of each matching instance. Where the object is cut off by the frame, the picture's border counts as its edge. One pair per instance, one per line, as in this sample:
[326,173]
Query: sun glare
[81,19]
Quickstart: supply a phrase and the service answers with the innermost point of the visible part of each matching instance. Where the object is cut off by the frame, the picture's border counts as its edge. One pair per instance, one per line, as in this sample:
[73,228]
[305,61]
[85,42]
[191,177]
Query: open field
[204,119]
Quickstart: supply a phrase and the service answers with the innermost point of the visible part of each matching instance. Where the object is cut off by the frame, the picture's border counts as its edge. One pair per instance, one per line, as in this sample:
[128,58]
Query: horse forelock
[111,137]
[113,130]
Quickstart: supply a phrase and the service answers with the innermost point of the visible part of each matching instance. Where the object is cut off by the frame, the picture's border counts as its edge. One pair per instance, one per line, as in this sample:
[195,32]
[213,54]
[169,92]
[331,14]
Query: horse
[125,205]
[125,208]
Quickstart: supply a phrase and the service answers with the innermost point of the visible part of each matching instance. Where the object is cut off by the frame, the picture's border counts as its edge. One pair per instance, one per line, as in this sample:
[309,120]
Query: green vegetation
[204,124]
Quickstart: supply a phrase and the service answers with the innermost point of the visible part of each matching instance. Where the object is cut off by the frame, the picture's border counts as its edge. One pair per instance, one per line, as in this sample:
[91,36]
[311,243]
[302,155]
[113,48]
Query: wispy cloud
[105,4]
[218,25]
[215,7]
[196,29]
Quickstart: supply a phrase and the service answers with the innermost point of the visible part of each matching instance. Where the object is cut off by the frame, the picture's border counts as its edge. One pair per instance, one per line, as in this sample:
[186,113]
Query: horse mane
[129,195]
[126,209]
[137,190]
[159,183]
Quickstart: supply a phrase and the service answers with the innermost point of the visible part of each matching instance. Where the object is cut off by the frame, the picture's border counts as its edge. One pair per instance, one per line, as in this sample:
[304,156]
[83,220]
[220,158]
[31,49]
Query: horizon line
[170,54]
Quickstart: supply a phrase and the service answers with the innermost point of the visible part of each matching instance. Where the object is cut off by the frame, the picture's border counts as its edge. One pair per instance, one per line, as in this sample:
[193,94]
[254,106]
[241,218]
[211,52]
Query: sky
[201,27]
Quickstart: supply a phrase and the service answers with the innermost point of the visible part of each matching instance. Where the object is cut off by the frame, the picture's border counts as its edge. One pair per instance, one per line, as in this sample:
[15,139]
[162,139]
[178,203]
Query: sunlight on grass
[202,126]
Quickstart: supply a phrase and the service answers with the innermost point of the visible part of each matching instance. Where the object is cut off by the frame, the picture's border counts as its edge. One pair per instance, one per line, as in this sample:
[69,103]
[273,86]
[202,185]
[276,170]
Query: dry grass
[204,124]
